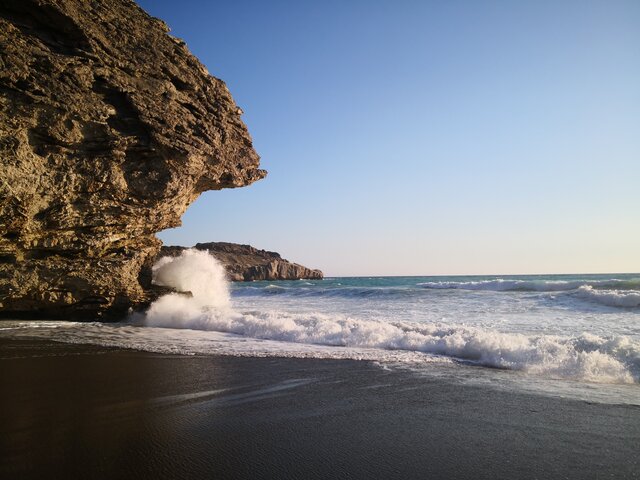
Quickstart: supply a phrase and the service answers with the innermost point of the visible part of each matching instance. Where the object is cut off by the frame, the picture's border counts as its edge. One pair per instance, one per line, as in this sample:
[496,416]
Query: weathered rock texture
[246,263]
[109,129]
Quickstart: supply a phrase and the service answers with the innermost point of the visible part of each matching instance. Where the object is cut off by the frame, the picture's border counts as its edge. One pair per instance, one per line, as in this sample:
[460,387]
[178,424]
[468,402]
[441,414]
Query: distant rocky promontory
[246,263]
[109,129]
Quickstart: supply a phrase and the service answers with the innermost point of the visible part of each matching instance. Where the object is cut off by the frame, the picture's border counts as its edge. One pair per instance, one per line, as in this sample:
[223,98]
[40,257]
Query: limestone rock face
[246,263]
[109,129]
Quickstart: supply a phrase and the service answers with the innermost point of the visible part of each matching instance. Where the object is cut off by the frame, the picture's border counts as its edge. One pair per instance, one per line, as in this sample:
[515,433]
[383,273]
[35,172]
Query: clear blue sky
[428,137]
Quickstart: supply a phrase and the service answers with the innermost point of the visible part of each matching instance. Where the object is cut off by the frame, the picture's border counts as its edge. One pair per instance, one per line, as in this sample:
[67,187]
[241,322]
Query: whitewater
[581,330]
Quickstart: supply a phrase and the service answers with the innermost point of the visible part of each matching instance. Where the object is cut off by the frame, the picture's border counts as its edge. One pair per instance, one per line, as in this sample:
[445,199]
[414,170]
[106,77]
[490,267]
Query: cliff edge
[245,263]
[109,129]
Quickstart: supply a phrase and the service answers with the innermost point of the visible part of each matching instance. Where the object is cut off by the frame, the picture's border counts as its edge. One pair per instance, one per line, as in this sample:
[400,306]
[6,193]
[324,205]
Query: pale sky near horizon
[427,137]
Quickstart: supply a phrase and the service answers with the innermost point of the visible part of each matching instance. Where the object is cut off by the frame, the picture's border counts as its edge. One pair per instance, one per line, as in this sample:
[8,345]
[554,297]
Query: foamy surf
[563,334]
[612,298]
[587,357]
[614,359]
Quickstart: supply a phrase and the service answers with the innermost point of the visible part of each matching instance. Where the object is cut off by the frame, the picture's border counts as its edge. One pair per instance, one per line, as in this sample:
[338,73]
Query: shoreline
[87,411]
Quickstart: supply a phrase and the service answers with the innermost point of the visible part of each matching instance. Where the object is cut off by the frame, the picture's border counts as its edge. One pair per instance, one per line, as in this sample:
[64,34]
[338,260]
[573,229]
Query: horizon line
[477,275]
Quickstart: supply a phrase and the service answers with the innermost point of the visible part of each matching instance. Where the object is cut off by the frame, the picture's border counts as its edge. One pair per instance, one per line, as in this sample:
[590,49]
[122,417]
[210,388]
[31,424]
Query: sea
[574,336]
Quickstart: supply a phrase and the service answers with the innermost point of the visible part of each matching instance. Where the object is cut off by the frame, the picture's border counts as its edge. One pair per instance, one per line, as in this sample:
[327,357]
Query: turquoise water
[630,280]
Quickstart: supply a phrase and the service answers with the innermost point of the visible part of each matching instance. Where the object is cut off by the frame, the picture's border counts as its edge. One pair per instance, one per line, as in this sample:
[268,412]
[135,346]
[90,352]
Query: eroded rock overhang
[109,129]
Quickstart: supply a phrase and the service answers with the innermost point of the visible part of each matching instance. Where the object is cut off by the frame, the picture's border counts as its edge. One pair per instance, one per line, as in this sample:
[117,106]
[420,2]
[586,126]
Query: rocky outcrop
[109,129]
[246,263]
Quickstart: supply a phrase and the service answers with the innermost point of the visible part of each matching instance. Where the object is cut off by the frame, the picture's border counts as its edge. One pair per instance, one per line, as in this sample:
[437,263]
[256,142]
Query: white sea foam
[588,357]
[197,272]
[194,272]
[611,298]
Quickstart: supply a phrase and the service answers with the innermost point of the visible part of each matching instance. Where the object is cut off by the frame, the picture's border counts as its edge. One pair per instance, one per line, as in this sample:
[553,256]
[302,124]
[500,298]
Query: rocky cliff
[246,263]
[109,129]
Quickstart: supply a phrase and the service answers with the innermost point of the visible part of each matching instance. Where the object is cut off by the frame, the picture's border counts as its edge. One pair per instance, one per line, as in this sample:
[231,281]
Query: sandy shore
[71,411]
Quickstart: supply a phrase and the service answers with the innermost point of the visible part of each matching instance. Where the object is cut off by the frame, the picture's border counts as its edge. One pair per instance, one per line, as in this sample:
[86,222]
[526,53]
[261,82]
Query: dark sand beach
[74,411]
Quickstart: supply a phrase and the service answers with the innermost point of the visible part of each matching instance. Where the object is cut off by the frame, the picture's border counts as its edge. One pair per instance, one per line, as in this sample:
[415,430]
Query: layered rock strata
[109,129]
[246,263]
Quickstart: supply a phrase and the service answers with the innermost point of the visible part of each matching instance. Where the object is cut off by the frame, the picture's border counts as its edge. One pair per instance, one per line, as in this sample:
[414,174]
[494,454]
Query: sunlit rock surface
[109,129]
[246,263]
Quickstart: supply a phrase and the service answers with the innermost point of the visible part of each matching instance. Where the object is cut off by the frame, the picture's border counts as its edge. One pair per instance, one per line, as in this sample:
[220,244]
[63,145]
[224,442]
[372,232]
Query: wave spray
[192,272]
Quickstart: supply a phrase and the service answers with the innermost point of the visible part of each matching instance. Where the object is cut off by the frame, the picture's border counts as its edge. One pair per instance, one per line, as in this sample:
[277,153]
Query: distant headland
[245,263]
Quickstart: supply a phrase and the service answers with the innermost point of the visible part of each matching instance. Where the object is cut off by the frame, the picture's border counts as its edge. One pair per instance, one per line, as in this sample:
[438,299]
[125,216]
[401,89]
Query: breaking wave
[203,281]
[502,285]
[611,298]
[610,293]
[588,357]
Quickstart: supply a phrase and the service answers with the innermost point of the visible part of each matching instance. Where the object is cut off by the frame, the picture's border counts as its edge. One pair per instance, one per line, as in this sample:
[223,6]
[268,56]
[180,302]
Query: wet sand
[71,411]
